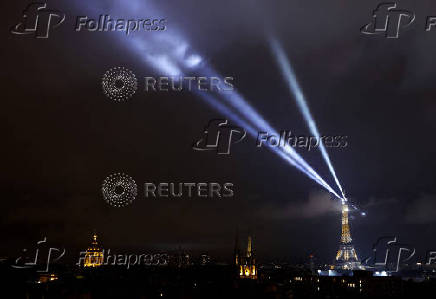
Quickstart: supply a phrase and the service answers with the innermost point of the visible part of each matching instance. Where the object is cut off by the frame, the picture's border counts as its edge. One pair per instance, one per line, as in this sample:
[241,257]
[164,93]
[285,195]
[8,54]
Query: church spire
[249,248]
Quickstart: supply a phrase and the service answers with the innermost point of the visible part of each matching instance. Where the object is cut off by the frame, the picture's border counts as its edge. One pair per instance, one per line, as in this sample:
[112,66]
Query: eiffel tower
[346,257]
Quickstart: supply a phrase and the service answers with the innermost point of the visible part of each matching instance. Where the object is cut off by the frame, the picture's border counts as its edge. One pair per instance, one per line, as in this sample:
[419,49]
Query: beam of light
[235,100]
[286,153]
[290,77]
[170,54]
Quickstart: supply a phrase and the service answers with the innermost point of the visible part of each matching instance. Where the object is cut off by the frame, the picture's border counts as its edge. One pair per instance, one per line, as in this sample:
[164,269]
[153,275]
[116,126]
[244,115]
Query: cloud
[421,210]
[374,202]
[318,204]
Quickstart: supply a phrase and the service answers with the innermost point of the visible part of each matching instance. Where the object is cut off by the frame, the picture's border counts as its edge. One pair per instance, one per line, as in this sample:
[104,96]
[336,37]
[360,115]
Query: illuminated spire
[249,252]
[236,250]
[247,265]
[94,239]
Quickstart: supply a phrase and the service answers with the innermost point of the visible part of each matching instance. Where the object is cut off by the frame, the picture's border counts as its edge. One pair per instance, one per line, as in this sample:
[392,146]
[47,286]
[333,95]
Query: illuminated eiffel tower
[346,258]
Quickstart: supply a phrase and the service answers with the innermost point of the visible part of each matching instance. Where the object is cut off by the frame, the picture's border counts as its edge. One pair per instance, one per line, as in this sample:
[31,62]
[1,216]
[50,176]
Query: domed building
[94,254]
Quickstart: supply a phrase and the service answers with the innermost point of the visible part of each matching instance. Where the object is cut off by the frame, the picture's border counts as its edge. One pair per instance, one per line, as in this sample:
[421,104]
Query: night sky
[61,136]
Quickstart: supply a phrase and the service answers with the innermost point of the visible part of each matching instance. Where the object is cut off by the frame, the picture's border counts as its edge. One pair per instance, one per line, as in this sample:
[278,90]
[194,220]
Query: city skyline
[158,127]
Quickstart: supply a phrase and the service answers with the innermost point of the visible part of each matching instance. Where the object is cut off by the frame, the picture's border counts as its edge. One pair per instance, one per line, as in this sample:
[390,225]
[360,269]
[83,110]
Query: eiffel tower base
[346,258]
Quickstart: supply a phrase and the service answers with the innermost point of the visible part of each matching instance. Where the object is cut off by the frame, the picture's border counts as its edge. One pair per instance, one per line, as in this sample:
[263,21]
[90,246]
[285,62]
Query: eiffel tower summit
[346,257]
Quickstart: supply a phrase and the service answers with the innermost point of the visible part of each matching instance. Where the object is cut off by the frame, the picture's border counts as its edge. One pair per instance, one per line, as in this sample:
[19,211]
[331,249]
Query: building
[246,262]
[94,254]
[47,277]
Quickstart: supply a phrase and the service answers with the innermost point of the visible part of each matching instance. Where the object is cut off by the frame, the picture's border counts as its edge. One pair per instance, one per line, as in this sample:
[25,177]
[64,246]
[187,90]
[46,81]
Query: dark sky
[61,135]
